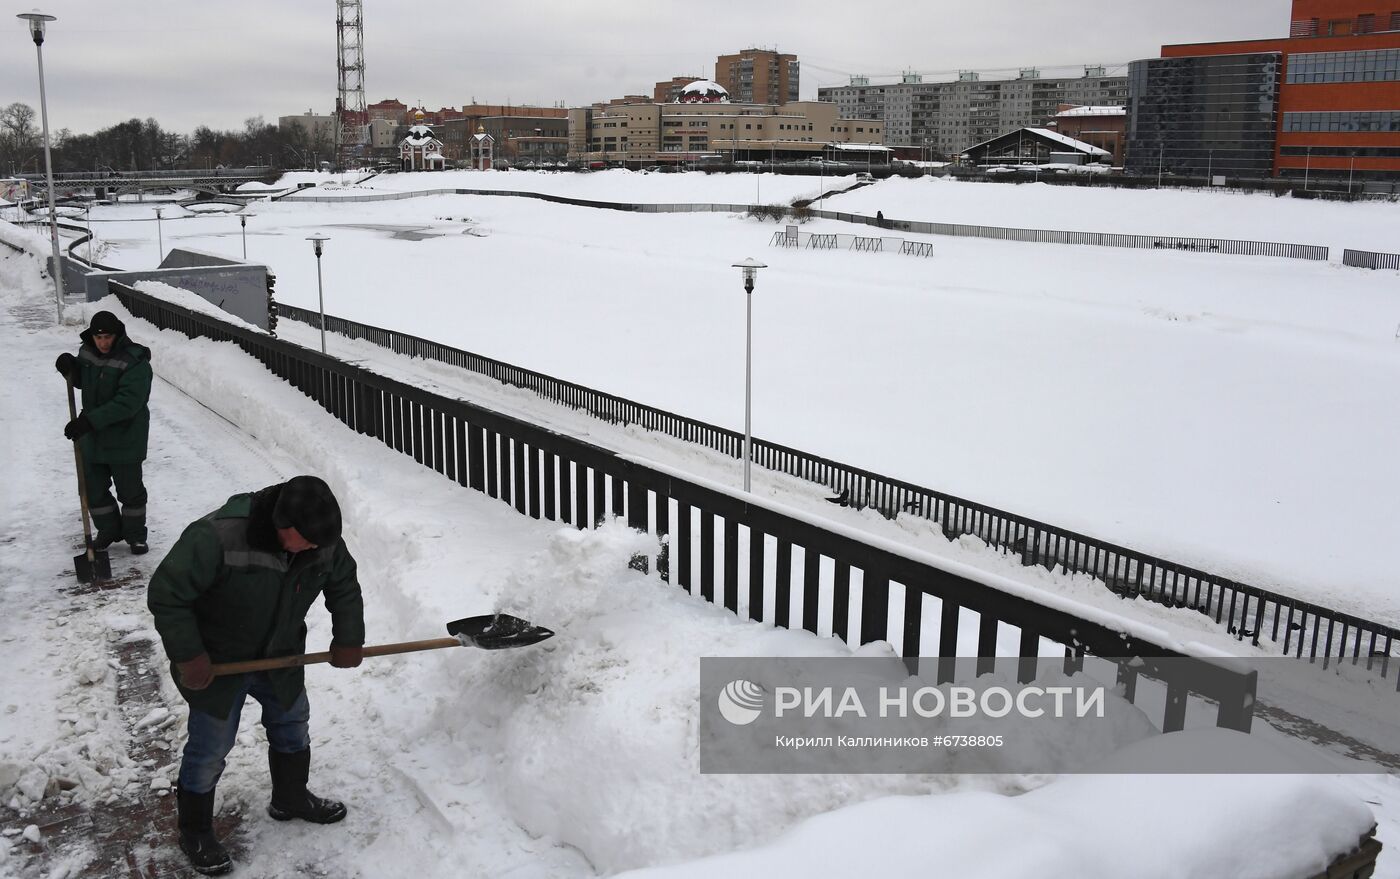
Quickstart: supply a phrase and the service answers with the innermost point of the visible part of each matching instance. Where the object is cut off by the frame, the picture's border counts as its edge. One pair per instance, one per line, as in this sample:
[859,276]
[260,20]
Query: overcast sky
[218,63]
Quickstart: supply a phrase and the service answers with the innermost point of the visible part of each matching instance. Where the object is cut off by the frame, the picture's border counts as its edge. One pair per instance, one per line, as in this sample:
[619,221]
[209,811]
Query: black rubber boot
[290,798]
[197,839]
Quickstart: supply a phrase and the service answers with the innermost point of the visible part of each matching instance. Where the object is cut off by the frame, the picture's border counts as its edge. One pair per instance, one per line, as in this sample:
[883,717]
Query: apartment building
[947,117]
[319,128]
[637,133]
[1324,101]
[759,76]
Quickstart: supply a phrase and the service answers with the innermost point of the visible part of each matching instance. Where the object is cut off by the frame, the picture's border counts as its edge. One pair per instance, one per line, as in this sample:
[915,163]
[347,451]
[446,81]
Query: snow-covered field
[1234,413]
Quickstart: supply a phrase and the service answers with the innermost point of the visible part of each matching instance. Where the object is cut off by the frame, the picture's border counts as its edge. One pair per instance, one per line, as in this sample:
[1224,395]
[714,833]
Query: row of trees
[137,145]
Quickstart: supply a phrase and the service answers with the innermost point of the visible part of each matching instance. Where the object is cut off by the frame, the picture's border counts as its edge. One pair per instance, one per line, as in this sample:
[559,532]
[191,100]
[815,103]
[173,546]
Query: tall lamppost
[1161,153]
[37,21]
[1307,166]
[243,227]
[317,241]
[1351,173]
[87,220]
[160,240]
[750,268]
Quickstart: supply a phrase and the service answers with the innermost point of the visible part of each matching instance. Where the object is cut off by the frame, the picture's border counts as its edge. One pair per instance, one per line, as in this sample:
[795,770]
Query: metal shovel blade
[99,567]
[497,631]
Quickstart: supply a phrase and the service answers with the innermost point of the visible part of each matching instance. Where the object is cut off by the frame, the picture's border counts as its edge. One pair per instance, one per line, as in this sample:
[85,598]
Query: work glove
[196,674]
[346,657]
[64,364]
[77,427]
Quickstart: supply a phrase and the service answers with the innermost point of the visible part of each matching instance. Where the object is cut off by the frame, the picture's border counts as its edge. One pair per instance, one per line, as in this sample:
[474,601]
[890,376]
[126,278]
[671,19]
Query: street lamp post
[317,241]
[37,21]
[1307,166]
[243,227]
[87,220]
[750,267]
[1161,153]
[160,239]
[1351,173]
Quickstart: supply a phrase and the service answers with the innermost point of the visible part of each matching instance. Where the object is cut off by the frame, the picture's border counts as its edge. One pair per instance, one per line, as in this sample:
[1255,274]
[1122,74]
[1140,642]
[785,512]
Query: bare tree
[19,138]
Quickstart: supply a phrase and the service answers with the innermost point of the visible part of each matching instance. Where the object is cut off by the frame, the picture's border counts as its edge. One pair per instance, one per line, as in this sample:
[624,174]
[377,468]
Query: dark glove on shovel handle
[64,364]
[346,657]
[77,427]
[195,674]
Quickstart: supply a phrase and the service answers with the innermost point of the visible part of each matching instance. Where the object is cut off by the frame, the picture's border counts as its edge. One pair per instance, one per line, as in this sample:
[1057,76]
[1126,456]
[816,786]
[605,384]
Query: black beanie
[105,322]
[307,504]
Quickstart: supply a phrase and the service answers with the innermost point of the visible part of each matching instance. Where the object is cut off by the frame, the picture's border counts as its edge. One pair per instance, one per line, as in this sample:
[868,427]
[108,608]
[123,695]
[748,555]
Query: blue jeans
[210,739]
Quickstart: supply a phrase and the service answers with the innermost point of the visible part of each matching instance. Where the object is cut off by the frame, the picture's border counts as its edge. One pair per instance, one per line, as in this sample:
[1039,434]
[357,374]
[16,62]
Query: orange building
[1337,88]
[759,76]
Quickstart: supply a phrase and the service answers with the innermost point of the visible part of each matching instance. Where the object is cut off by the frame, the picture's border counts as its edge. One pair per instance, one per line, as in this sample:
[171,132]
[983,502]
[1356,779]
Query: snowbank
[1088,827]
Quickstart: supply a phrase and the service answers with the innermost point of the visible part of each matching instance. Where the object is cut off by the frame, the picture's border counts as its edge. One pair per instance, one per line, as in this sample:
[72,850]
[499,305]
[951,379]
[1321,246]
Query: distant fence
[842,241]
[544,474]
[1245,611]
[1367,259]
[1000,233]
[1099,239]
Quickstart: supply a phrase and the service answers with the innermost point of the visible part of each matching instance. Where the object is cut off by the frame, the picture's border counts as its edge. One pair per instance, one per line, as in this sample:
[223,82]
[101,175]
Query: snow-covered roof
[420,135]
[859,147]
[1094,111]
[703,91]
[1076,145]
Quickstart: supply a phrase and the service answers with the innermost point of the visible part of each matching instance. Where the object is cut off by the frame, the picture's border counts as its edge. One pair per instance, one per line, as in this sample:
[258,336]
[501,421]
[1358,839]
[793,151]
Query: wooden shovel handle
[234,668]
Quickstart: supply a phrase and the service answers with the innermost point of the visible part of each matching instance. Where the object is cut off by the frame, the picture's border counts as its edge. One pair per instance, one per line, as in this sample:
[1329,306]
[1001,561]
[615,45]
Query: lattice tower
[353,125]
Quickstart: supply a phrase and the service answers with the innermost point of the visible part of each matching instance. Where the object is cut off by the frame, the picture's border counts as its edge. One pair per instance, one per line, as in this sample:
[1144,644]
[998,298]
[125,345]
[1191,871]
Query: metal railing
[1099,239]
[1296,627]
[999,233]
[544,474]
[1368,259]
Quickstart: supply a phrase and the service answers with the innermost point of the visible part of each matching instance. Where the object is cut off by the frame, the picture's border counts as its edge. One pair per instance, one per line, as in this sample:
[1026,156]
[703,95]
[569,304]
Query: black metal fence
[1297,628]
[1367,259]
[713,543]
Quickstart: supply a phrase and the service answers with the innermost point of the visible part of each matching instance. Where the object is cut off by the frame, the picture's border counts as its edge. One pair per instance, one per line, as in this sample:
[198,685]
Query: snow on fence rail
[545,474]
[1000,233]
[1367,259]
[1294,627]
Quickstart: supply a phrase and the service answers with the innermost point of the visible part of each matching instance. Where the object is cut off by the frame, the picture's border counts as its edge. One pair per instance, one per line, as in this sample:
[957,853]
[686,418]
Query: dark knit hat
[105,322]
[307,504]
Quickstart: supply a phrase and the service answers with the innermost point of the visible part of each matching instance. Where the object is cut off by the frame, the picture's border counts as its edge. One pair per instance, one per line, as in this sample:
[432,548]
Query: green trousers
[130,523]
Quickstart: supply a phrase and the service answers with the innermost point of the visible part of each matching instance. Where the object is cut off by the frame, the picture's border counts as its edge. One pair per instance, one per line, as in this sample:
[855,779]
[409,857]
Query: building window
[1379,65]
[1354,121]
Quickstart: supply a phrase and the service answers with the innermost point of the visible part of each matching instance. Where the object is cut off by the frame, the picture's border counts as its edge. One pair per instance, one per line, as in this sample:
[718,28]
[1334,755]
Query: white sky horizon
[192,65]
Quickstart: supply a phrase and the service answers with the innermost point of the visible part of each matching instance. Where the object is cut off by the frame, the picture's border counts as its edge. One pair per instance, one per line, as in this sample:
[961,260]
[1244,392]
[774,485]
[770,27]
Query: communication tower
[352,124]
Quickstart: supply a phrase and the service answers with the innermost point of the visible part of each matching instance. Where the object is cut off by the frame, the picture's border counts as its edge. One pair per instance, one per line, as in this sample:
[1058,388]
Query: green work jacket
[228,589]
[116,388]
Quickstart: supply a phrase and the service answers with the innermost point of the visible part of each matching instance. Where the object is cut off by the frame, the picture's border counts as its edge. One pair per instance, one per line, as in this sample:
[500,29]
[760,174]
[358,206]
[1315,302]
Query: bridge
[109,183]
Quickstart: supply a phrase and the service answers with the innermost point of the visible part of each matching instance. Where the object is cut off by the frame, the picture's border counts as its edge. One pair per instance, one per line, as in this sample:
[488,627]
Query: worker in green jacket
[115,375]
[237,585]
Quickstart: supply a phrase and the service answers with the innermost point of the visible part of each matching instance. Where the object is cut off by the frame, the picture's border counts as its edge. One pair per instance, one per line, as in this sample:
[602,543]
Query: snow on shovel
[489,632]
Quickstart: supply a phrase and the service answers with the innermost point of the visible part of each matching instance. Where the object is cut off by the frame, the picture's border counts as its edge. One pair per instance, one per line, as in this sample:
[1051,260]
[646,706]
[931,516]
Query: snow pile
[1155,827]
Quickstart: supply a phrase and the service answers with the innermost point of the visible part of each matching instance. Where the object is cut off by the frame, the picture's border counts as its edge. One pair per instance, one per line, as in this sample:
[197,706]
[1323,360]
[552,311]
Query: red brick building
[1337,89]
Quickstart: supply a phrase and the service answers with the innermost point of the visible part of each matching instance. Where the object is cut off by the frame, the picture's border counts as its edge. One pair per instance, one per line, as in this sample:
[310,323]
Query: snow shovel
[91,564]
[490,632]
